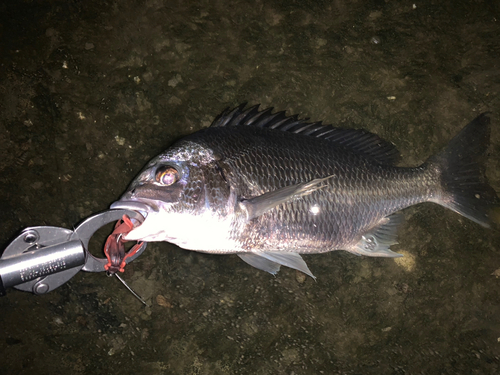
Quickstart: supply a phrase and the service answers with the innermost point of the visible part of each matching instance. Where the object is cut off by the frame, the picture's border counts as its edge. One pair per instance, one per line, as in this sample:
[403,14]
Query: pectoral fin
[255,207]
[376,242]
[271,261]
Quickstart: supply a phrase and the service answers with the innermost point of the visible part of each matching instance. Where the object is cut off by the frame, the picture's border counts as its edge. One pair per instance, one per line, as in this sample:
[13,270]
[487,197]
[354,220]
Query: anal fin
[377,241]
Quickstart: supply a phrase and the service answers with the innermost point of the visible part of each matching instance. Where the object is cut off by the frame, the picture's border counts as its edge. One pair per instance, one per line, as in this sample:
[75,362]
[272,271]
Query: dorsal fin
[360,141]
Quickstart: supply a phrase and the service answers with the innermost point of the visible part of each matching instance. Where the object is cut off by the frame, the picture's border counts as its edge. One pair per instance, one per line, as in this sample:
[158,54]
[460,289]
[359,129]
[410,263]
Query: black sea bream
[270,187]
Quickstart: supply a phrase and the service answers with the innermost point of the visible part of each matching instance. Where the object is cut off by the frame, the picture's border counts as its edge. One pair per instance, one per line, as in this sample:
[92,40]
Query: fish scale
[268,172]
[270,187]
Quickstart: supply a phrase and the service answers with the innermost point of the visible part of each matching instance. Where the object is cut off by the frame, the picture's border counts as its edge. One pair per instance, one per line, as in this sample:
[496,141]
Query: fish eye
[167,175]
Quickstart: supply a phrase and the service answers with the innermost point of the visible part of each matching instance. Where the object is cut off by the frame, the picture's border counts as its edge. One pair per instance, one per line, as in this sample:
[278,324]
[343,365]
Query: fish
[270,187]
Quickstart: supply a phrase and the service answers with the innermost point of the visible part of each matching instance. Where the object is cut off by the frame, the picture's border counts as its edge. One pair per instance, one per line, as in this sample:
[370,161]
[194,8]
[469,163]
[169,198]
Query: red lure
[114,249]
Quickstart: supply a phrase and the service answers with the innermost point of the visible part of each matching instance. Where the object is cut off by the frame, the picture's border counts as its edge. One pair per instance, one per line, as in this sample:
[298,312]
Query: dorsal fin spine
[357,140]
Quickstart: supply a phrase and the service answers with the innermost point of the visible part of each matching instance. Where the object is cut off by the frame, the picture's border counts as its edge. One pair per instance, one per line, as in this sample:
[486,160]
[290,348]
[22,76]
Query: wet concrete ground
[89,91]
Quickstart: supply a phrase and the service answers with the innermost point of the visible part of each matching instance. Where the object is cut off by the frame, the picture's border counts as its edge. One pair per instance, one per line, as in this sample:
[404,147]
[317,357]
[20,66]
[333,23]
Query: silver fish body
[269,187]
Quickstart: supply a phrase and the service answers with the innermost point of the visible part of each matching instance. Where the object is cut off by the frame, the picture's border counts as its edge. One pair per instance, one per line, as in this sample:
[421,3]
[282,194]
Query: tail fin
[464,186]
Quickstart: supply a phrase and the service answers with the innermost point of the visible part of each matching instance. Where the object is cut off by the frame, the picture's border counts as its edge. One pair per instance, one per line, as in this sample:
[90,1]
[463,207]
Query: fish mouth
[133,205]
[145,230]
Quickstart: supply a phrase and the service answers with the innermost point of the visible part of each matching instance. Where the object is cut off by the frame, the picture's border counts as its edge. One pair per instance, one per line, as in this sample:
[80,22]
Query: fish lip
[133,205]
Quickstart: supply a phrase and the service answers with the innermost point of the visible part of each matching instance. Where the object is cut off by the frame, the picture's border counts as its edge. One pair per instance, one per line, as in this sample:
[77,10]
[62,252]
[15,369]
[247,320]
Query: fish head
[172,190]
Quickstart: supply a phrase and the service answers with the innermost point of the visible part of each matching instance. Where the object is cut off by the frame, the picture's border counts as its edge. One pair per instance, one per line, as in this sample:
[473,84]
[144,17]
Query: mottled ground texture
[90,90]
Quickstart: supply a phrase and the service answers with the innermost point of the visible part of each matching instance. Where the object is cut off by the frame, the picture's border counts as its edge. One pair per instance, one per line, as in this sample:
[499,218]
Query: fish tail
[464,187]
